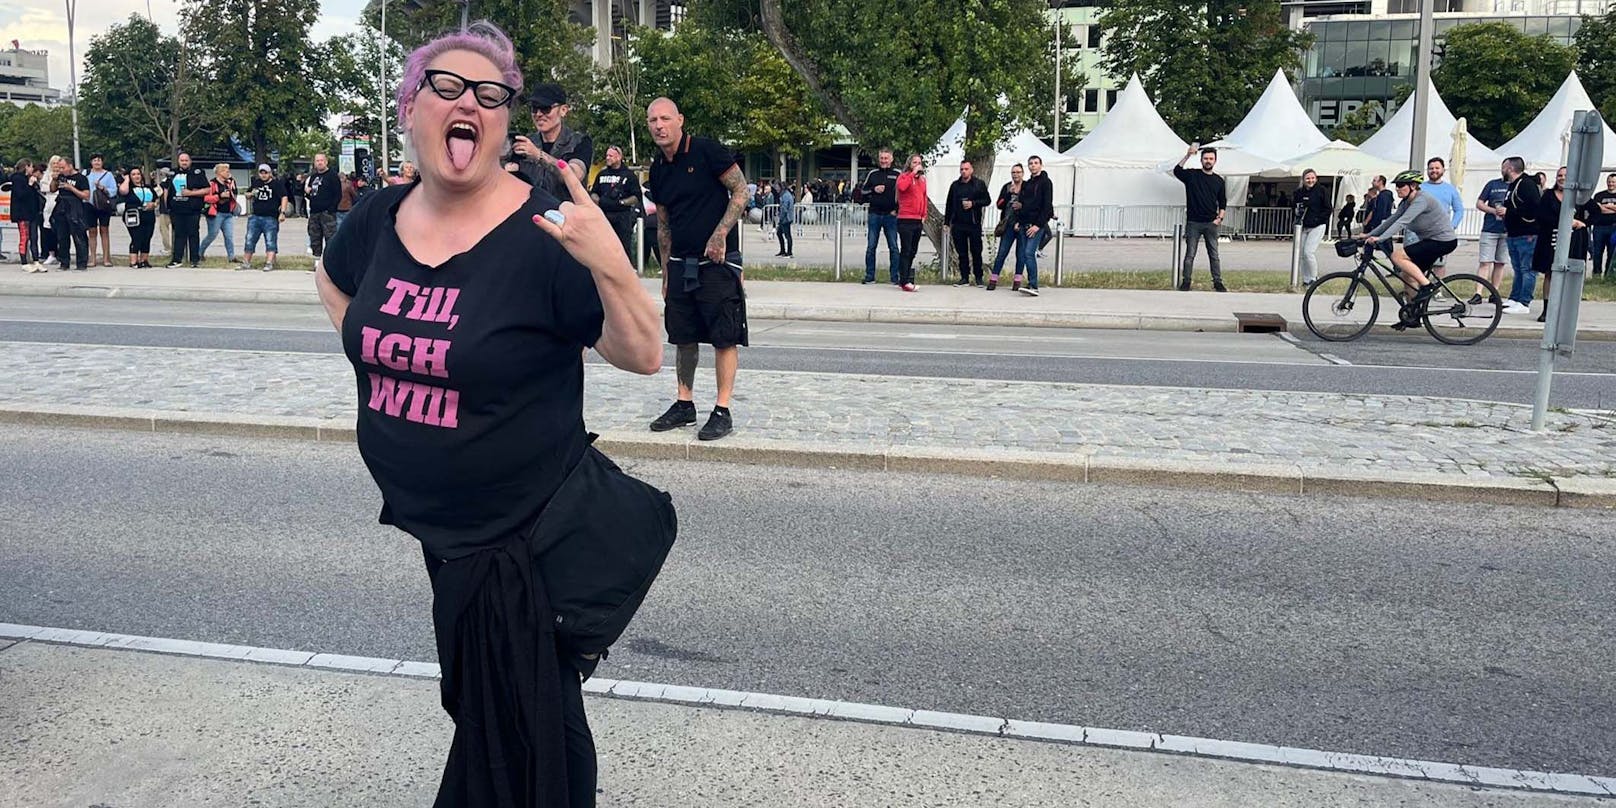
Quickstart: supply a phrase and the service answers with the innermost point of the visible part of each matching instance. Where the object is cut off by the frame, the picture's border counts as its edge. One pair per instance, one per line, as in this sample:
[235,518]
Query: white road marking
[1334,360]
[991,726]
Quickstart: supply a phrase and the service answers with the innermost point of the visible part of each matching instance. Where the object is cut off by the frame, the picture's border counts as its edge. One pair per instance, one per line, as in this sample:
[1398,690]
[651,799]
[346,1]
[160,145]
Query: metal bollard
[944,250]
[836,222]
[1177,268]
[1060,254]
[1296,255]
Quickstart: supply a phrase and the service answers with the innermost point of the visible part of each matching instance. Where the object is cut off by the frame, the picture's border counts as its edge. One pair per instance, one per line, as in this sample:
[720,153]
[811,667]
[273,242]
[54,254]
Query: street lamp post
[1422,88]
[73,77]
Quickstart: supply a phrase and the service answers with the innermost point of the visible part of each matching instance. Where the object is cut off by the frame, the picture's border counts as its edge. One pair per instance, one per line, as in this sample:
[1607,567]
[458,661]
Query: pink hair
[482,38]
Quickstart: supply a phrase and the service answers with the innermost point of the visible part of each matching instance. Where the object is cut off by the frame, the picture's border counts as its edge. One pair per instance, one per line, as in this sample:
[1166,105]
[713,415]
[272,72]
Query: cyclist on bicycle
[1429,236]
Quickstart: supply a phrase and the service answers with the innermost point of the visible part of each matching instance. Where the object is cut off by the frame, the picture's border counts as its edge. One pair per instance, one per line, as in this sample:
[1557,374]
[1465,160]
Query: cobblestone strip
[1320,433]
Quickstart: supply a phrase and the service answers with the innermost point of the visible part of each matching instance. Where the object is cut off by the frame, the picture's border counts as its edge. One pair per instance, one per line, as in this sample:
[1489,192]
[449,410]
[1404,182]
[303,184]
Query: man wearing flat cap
[548,102]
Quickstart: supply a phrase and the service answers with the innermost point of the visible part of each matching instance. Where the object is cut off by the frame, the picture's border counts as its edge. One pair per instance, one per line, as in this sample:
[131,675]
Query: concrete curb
[1083,466]
[763,310]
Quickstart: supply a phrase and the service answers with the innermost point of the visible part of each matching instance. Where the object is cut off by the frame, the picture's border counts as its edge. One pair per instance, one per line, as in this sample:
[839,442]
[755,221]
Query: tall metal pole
[1058,44]
[381,86]
[73,78]
[1422,86]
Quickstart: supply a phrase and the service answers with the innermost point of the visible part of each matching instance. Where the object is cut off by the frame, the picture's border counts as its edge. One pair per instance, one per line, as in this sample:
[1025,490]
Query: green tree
[1205,65]
[352,81]
[258,65]
[302,146]
[140,98]
[37,132]
[1595,44]
[1499,77]
[1356,126]
[730,84]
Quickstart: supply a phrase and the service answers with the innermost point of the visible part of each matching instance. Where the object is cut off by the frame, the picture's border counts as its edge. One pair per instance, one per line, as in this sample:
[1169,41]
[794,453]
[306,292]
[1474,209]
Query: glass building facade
[1356,60]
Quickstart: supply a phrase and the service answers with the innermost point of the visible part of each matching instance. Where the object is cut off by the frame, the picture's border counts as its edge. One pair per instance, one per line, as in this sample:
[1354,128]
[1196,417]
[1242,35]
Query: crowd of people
[64,216]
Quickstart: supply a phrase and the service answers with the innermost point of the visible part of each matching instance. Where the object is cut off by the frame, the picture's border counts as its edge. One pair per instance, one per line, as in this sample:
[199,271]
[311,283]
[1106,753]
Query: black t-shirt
[185,181]
[325,191]
[266,196]
[687,190]
[1597,217]
[1203,194]
[470,374]
[613,185]
[79,181]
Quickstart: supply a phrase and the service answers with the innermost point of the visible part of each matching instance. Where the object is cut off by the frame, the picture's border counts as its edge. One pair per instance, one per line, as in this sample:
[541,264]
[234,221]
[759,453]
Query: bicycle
[1342,306]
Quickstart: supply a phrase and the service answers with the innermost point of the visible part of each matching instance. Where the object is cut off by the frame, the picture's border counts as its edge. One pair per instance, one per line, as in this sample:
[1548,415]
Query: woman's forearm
[631,333]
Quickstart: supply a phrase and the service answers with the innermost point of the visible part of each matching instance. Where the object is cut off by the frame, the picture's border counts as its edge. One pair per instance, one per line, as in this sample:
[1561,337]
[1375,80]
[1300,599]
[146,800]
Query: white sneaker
[50,262]
[1514,307]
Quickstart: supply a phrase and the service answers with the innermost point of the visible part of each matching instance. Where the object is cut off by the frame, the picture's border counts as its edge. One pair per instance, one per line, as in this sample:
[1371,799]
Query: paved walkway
[780,300]
[131,729]
[1305,435]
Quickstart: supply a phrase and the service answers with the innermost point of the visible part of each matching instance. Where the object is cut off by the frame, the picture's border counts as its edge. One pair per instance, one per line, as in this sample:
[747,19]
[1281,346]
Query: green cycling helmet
[1410,177]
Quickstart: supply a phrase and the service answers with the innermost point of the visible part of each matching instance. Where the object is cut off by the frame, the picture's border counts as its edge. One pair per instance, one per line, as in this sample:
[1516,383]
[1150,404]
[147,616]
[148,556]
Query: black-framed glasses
[450,86]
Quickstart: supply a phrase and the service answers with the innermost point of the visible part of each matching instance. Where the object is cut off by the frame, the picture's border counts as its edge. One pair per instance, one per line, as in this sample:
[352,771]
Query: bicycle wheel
[1464,311]
[1340,306]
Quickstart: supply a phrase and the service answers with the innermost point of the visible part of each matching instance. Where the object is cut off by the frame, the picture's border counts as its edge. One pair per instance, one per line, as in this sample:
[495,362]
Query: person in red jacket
[911,213]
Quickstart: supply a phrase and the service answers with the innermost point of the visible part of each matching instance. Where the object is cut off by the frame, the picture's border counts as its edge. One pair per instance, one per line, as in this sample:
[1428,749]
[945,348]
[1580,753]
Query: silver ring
[556,217]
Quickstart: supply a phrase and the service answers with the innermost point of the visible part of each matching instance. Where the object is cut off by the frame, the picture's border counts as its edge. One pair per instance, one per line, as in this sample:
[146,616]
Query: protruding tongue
[460,150]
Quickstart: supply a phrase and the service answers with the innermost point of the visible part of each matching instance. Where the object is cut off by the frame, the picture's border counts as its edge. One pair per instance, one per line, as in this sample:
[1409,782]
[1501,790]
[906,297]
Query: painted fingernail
[560,163]
[536,218]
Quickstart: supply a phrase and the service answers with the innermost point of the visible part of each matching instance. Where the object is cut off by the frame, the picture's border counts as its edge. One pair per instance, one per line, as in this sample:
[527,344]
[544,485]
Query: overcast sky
[37,24]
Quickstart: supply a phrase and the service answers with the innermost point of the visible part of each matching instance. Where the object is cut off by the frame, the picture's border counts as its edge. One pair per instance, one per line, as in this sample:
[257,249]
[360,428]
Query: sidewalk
[1281,442]
[787,300]
[99,727]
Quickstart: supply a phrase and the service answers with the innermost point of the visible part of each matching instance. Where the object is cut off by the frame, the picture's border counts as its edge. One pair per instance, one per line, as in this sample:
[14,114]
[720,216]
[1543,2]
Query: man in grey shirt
[1429,230]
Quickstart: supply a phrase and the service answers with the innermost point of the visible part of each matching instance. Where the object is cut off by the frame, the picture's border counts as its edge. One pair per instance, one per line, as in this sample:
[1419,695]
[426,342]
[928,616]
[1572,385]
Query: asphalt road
[1458,633]
[1499,369]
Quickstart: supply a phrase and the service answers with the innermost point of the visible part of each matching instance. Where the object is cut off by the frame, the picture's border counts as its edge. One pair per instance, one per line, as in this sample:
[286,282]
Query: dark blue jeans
[1027,252]
[881,223]
[1520,261]
[1011,239]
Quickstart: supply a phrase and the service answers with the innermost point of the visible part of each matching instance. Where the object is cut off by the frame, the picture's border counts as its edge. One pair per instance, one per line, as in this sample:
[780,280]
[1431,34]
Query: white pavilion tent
[1542,143]
[946,156]
[1276,128]
[1392,143]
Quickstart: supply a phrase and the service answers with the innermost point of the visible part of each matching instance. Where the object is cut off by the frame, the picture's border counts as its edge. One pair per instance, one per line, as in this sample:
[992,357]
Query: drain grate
[1256,322]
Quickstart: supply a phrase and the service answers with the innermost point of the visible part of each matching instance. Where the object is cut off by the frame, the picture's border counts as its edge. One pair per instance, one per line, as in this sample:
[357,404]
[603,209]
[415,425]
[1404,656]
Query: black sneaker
[1217,286]
[867,281]
[1184,286]
[718,425]
[993,283]
[959,283]
[1030,291]
[1475,299]
[172,264]
[682,413]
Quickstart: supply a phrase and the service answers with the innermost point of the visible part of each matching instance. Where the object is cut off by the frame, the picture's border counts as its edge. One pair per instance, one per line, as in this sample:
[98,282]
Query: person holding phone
[911,216]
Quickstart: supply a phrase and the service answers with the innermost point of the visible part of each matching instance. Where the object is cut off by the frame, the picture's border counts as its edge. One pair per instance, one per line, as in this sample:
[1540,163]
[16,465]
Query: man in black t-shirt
[1204,204]
[880,192]
[1601,211]
[324,190]
[185,191]
[617,191]
[69,219]
[554,139]
[699,193]
[269,205]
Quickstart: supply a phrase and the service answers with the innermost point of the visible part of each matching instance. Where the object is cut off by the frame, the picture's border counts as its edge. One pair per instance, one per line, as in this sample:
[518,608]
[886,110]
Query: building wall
[25,78]
[1087,105]
[1356,59]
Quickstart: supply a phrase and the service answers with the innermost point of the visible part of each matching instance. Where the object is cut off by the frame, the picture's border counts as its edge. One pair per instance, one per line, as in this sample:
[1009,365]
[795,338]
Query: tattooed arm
[735,180]
[664,240]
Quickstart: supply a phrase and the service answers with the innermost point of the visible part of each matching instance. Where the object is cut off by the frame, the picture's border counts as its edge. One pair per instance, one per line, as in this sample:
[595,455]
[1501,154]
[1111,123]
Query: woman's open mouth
[461,143]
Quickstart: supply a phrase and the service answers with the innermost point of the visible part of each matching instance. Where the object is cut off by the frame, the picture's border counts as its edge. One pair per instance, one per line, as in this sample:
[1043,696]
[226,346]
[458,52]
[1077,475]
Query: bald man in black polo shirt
[699,193]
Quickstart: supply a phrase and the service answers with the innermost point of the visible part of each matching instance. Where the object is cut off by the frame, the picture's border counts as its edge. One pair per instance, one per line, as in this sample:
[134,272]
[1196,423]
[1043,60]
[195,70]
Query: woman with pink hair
[465,302]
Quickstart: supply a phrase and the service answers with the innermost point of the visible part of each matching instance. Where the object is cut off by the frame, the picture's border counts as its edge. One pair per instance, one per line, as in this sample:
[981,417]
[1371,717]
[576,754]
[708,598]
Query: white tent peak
[1277,127]
[1393,140]
[1541,142]
[1133,132]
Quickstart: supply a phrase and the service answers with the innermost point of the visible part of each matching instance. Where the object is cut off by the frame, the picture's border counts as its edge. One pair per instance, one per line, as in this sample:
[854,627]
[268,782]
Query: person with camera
[70,218]
[1313,206]
[911,217]
[221,211]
